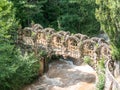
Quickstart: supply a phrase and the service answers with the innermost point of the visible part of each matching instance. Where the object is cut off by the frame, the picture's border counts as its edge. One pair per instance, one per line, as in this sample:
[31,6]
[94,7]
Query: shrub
[101,64]
[101,82]
[87,59]
[17,70]
[101,74]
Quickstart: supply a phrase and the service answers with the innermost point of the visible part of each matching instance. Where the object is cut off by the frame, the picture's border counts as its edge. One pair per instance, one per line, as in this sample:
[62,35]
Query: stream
[64,75]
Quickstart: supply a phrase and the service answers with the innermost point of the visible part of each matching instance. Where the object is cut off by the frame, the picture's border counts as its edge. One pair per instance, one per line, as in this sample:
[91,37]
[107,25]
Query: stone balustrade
[64,43]
[111,83]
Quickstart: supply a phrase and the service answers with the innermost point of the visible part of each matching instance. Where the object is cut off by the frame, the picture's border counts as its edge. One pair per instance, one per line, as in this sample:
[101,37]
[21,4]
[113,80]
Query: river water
[64,75]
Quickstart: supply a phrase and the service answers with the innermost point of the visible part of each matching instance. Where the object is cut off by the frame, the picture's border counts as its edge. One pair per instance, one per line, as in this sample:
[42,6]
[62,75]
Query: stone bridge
[76,46]
[63,43]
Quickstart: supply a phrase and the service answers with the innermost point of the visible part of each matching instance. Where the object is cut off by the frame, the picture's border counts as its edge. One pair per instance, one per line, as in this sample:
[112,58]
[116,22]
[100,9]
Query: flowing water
[64,75]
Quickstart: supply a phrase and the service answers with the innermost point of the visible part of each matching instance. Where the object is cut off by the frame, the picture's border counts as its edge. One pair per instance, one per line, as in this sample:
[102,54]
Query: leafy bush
[108,14]
[101,74]
[16,70]
[101,82]
[101,64]
[87,59]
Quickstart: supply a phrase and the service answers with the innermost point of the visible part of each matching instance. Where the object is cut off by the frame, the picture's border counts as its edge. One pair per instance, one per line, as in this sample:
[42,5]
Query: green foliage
[101,82]
[7,20]
[87,59]
[28,11]
[115,51]
[101,74]
[43,53]
[78,17]
[108,14]
[51,12]
[101,64]
[16,70]
[75,16]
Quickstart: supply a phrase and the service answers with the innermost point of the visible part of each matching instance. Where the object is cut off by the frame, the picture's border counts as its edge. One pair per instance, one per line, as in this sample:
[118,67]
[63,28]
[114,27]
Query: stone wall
[111,83]
[63,43]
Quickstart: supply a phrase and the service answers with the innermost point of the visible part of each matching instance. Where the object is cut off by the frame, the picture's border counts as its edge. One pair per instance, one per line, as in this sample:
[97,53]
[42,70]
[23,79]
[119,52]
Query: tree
[13,66]
[7,20]
[76,16]
[28,11]
[51,13]
[108,14]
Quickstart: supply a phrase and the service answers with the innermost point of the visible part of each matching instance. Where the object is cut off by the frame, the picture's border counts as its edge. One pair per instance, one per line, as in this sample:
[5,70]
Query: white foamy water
[52,81]
[84,68]
[64,75]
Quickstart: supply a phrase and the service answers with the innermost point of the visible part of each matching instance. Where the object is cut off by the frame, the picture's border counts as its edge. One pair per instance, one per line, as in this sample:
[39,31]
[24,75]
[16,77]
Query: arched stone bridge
[76,46]
[63,43]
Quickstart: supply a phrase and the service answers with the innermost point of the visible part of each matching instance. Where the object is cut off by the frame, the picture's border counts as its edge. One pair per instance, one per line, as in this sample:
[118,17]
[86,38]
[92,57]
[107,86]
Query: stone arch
[71,43]
[64,33]
[37,27]
[28,41]
[55,40]
[98,40]
[88,48]
[81,37]
[78,35]
[27,32]
[84,37]
[103,51]
[40,34]
[40,38]
[49,31]
[26,37]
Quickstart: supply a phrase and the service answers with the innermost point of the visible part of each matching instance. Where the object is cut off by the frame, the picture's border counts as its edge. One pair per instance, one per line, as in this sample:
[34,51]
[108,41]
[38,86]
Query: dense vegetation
[76,16]
[108,14]
[15,69]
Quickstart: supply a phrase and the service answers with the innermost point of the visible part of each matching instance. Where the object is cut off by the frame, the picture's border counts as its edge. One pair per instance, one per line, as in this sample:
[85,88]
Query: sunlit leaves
[108,14]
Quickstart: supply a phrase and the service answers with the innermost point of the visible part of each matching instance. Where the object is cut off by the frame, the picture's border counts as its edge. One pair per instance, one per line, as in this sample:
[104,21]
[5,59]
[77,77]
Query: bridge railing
[63,43]
[111,83]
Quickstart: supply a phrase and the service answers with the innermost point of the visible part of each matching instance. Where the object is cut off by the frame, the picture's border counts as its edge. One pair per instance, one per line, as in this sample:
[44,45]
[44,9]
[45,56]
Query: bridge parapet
[76,46]
[63,43]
